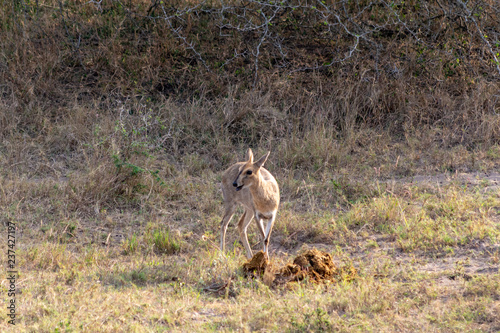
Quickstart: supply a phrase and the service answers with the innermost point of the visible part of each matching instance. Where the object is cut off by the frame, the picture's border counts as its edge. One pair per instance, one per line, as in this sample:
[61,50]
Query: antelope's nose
[235,185]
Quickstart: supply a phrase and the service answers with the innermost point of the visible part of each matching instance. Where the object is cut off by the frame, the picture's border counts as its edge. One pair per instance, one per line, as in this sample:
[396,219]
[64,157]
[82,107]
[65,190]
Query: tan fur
[259,194]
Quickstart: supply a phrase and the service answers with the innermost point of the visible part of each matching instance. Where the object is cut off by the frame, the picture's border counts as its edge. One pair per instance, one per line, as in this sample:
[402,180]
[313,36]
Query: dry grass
[449,217]
[111,153]
[80,289]
[76,273]
[117,232]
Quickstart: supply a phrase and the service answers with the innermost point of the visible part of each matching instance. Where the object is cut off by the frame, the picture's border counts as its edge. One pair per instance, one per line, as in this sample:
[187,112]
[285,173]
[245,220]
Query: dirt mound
[317,265]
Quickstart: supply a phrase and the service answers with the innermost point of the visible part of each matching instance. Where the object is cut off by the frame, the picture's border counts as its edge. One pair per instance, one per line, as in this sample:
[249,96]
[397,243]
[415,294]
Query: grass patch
[450,216]
[162,241]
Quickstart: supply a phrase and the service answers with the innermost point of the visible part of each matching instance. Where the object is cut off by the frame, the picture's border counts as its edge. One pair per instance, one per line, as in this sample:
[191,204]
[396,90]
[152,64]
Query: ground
[158,270]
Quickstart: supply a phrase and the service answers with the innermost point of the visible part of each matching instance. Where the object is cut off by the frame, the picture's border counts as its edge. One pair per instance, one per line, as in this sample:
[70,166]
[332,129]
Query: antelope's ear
[249,155]
[262,160]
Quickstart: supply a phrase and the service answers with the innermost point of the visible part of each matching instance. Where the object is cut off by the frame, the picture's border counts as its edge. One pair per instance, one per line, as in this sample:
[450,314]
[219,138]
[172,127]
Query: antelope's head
[250,171]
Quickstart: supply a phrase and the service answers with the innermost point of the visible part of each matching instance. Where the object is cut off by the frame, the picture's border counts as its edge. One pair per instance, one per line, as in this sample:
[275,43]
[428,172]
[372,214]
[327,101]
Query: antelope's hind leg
[269,229]
[260,225]
[223,226]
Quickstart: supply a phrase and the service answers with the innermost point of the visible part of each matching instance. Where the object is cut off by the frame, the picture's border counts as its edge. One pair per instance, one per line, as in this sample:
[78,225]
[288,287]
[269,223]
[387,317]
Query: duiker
[249,184]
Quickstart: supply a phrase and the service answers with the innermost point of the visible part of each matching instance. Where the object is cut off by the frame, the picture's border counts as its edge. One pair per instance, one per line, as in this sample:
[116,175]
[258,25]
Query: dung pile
[316,265]
[257,265]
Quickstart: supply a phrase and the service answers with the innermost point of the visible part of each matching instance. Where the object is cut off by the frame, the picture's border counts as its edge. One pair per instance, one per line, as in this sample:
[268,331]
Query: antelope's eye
[249,172]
